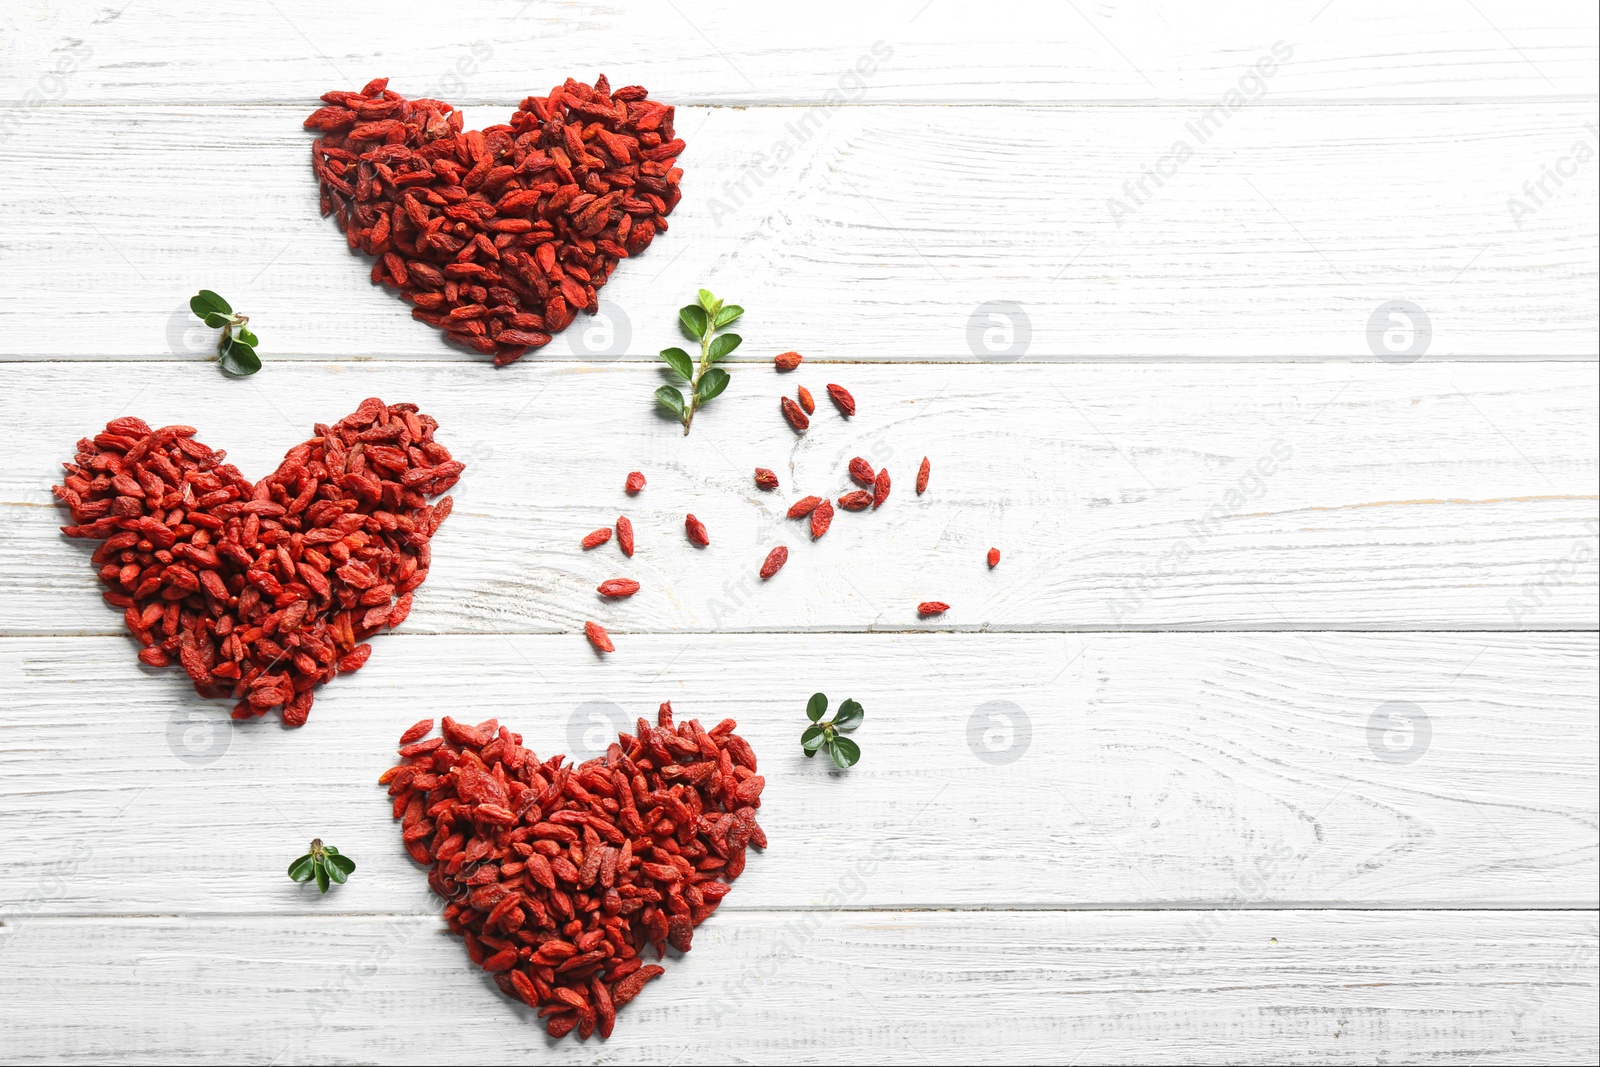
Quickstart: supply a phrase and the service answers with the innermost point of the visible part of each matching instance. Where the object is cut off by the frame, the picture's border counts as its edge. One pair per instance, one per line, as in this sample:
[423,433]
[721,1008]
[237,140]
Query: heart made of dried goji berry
[499,236]
[558,878]
[262,591]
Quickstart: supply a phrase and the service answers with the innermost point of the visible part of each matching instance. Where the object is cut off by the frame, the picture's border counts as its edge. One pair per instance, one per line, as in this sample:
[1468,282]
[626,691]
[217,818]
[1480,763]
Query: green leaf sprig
[237,345]
[830,734]
[324,864]
[700,322]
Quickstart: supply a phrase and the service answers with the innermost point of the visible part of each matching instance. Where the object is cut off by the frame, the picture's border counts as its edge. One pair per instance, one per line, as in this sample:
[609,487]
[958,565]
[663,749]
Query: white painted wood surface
[879,238]
[1002,770]
[808,987]
[1149,496]
[1210,847]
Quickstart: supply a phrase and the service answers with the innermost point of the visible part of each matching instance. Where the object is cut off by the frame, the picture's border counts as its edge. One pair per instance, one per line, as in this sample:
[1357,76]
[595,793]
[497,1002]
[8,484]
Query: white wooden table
[1273,738]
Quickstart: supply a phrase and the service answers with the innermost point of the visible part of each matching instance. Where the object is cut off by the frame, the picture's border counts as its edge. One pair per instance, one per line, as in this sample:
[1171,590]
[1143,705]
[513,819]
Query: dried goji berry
[634,483]
[766,479]
[787,360]
[792,412]
[922,477]
[696,531]
[804,506]
[625,535]
[994,557]
[774,562]
[595,538]
[860,500]
[598,637]
[821,519]
[617,587]
[932,607]
[880,488]
[808,405]
[841,397]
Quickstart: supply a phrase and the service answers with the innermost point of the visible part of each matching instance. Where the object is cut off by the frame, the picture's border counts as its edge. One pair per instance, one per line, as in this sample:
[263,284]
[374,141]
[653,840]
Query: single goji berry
[696,531]
[792,412]
[598,637]
[774,562]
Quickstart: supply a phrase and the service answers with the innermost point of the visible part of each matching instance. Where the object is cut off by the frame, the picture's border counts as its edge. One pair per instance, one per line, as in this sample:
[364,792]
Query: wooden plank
[785,987]
[719,51]
[879,233]
[1000,771]
[1429,496]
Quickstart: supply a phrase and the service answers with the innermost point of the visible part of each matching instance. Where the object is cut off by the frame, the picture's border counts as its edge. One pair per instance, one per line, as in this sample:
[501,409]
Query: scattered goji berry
[598,637]
[774,561]
[792,412]
[860,500]
[696,531]
[821,519]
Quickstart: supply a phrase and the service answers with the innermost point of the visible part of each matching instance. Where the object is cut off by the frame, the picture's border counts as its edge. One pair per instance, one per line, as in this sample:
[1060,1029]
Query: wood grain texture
[1133,885]
[1000,771]
[724,52]
[1049,987]
[1296,496]
[876,233]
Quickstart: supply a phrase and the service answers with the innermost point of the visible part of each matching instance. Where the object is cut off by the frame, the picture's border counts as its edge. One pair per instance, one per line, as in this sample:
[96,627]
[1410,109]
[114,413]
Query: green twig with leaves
[830,734]
[324,864]
[237,345]
[700,322]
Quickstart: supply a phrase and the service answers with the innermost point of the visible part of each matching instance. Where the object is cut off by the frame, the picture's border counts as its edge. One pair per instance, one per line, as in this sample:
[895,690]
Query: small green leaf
[679,361]
[670,398]
[206,301]
[816,706]
[845,752]
[810,752]
[711,384]
[724,344]
[336,873]
[300,869]
[217,320]
[849,717]
[709,302]
[247,337]
[727,315]
[321,869]
[239,359]
[342,864]
[812,739]
[694,321]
